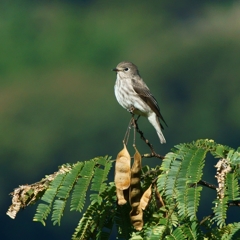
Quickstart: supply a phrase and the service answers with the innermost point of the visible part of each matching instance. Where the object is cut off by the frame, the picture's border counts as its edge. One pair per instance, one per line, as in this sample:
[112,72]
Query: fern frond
[191,231]
[42,213]
[86,224]
[193,196]
[108,209]
[99,179]
[188,197]
[172,178]
[81,187]
[234,157]
[155,232]
[177,234]
[220,211]
[230,232]
[136,237]
[58,208]
[232,189]
[163,182]
[64,192]
[43,210]
[97,222]
[173,217]
[69,181]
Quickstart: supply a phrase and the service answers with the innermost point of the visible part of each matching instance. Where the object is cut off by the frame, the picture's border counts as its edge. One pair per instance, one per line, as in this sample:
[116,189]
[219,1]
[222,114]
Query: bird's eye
[126,69]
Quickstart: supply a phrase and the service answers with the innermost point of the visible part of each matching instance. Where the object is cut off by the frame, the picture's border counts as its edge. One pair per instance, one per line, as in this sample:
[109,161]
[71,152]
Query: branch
[234,204]
[26,194]
[230,204]
[153,153]
[206,184]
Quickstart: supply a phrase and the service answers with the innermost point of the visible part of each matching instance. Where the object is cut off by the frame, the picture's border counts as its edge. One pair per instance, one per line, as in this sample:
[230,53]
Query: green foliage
[77,180]
[55,63]
[232,186]
[179,182]
[44,209]
[182,171]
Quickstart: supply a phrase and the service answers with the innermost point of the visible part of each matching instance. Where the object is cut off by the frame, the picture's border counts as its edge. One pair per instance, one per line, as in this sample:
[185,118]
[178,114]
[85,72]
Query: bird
[134,95]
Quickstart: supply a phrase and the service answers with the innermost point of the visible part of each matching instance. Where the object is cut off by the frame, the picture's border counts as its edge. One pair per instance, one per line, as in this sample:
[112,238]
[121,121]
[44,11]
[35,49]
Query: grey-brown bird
[134,95]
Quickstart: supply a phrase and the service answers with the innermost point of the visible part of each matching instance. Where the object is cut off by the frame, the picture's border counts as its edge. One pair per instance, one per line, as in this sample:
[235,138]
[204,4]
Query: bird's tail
[153,119]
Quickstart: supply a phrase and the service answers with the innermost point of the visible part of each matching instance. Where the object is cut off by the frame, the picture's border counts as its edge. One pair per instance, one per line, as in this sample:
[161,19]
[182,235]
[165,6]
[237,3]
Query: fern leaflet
[81,187]
[100,176]
[232,187]
[43,210]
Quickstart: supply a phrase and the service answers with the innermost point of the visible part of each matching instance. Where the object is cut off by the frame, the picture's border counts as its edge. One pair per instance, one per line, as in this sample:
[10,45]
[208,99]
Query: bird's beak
[115,69]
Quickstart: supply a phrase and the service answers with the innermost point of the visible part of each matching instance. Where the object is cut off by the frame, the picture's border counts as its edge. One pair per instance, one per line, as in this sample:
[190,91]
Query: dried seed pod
[135,185]
[121,197]
[158,197]
[122,169]
[136,216]
[146,197]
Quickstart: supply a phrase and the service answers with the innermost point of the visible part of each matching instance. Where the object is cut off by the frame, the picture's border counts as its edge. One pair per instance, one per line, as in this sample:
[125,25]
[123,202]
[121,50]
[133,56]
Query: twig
[153,153]
[206,184]
[230,204]
[234,203]
[206,218]
[126,137]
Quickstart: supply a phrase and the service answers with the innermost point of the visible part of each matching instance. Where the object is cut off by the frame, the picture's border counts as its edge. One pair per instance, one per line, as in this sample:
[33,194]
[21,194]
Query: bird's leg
[134,127]
[125,140]
[134,121]
[137,118]
[131,110]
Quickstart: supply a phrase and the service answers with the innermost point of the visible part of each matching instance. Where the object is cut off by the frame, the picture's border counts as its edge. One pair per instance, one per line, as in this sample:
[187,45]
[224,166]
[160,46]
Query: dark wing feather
[147,97]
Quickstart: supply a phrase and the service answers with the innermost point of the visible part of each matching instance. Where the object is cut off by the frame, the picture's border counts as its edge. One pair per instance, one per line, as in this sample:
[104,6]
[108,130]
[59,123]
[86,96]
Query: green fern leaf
[234,157]
[172,179]
[191,171]
[51,192]
[97,222]
[69,181]
[58,208]
[42,213]
[107,212]
[230,232]
[191,231]
[64,192]
[162,182]
[193,196]
[232,189]
[136,237]
[81,187]
[86,224]
[220,211]
[155,232]
[177,234]
[100,176]
[43,210]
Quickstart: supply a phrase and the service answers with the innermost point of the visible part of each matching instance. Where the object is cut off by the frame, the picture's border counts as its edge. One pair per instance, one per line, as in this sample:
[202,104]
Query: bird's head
[126,69]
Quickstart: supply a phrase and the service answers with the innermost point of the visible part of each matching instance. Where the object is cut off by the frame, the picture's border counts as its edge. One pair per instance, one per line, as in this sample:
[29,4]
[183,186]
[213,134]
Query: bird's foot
[131,109]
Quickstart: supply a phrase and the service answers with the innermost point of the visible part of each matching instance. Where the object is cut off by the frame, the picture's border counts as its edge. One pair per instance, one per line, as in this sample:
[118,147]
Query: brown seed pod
[122,169]
[136,216]
[121,197]
[158,197]
[145,198]
[135,185]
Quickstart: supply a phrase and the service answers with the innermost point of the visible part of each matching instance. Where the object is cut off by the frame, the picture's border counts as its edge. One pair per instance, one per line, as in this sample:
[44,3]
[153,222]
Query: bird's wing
[143,91]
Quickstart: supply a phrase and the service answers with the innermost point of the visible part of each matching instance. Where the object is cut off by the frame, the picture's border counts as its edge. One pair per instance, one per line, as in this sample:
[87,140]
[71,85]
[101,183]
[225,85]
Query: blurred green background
[57,103]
